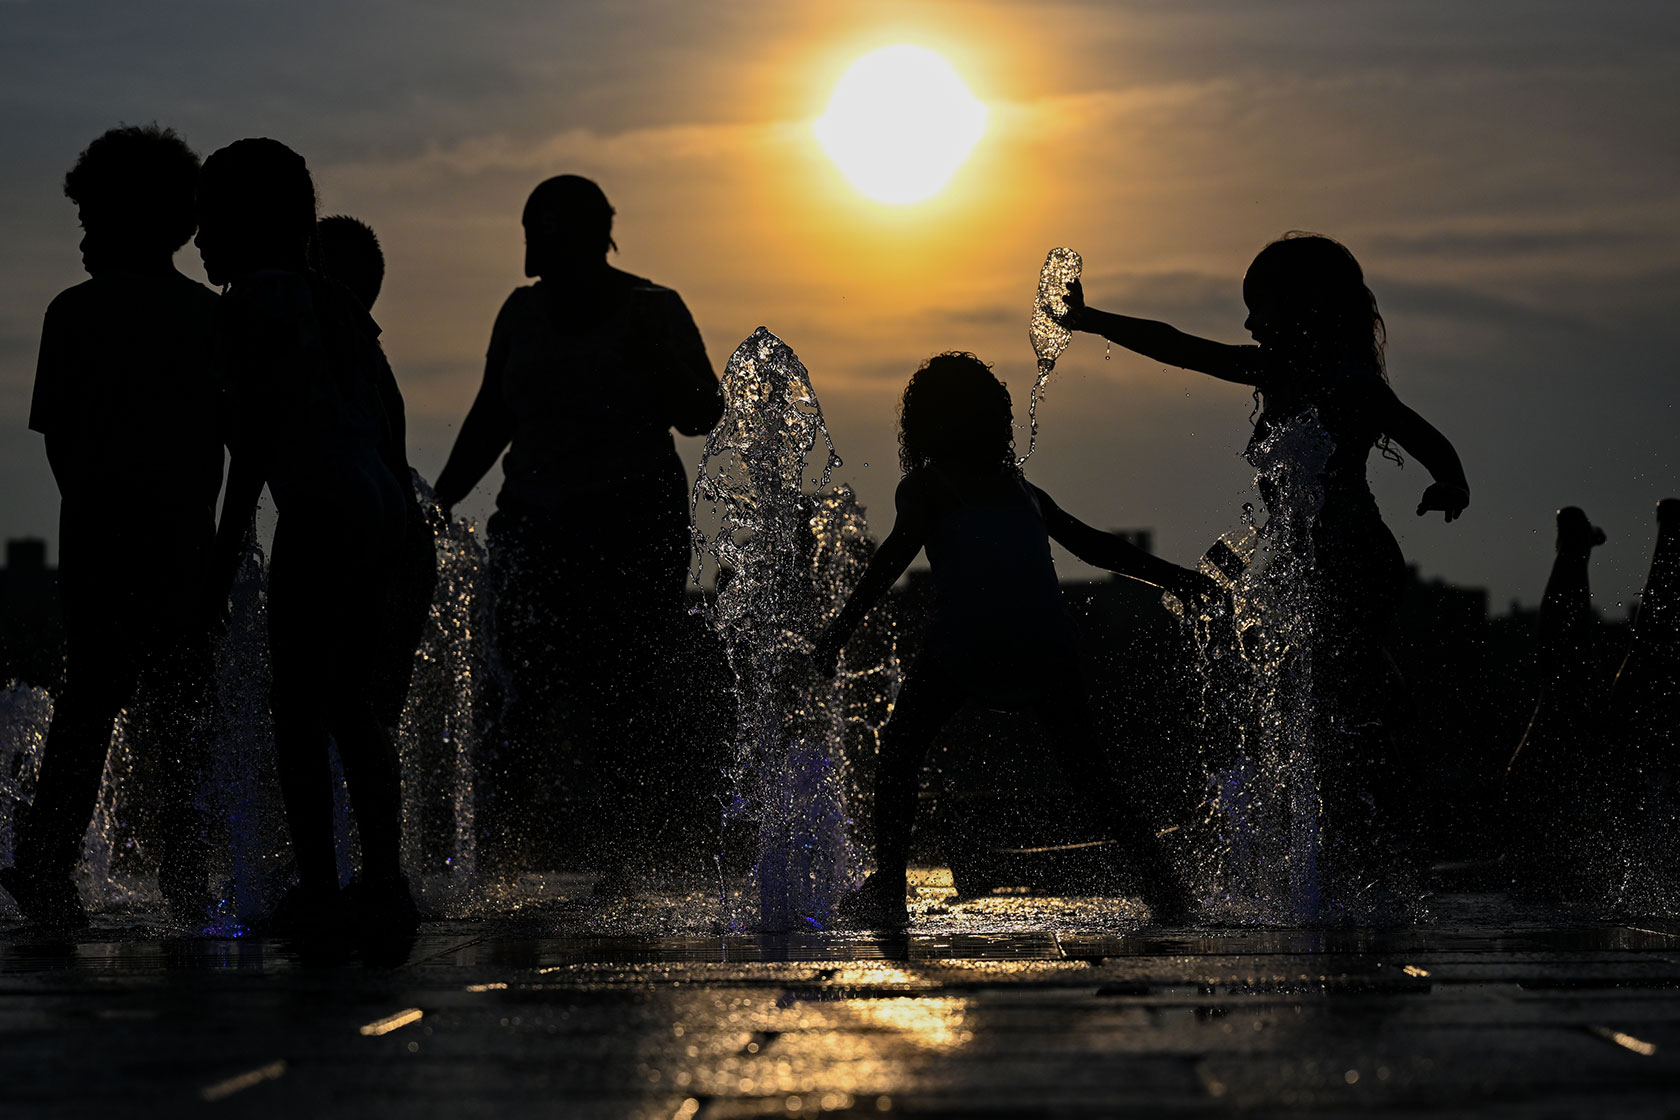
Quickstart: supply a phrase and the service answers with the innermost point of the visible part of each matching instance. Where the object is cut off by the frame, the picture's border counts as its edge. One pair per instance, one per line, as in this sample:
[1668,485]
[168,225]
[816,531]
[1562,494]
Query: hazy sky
[1505,171]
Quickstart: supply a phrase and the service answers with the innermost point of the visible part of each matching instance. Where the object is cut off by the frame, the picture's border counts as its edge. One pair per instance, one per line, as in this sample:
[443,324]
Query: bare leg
[926,702]
[300,746]
[375,779]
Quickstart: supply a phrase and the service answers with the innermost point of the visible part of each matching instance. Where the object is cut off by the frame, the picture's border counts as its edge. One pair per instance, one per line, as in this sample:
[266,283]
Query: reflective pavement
[1011,1007]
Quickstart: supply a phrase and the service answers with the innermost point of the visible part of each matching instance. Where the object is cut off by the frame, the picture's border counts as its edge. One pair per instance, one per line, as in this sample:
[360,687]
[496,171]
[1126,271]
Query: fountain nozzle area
[784,548]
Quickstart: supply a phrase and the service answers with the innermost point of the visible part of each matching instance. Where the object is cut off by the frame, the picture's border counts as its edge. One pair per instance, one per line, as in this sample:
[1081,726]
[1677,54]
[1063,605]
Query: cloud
[637,149]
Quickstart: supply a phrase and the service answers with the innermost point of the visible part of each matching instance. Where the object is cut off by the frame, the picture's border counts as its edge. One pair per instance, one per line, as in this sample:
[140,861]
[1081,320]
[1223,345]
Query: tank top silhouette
[998,618]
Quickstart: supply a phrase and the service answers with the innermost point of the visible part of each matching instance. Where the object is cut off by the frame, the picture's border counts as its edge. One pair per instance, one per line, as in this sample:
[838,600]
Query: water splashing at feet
[25,715]
[242,789]
[1264,856]
[1049,337]
[785,549]
[438,733]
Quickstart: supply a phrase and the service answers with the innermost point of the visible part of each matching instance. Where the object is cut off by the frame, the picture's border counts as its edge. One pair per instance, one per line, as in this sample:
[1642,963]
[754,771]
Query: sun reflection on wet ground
[1004,1006]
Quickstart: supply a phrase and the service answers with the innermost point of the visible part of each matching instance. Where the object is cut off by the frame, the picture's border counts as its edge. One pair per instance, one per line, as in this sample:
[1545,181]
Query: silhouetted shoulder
[339,305]
[661,305]
[522,303]
[113,337]
[918,489]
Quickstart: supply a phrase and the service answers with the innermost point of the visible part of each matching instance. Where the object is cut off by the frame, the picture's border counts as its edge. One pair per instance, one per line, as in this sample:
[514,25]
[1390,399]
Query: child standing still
[317,416]
[1000,632]
[125,397]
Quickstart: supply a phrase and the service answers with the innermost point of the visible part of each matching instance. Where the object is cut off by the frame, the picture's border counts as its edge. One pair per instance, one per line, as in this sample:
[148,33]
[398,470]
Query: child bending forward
[1000,634]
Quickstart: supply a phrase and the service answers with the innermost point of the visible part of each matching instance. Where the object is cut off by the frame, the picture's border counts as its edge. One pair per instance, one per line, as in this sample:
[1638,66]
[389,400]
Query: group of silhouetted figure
[146,376]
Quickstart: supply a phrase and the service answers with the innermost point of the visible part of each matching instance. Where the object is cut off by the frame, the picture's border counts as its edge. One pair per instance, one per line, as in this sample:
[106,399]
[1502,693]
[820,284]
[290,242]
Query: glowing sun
[900,123]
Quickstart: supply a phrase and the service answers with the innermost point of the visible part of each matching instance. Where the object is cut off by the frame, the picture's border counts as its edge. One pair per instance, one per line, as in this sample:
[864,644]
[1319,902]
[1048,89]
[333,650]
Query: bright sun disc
[900,123]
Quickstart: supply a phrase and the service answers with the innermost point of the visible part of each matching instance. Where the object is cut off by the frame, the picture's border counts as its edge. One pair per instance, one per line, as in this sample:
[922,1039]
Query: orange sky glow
[1517,223]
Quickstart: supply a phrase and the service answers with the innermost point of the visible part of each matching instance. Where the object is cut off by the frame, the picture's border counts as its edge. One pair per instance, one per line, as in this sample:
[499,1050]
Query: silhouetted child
[350,255]
[1320,345]
[317,416]
[1320,351]
[1000,635]
[125,397]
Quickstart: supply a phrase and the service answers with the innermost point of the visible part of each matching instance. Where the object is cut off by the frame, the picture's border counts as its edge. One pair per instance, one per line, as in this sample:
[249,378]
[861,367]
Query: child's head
[568,223]
[256,209]
[133,189]
[954,410]
[350,254]
[1306,294]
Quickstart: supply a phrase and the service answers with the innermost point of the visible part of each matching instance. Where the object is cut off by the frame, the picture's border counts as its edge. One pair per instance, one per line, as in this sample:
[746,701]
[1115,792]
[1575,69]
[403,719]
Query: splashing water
[243,787]
[784,558]
[1049,338]
[25,714]
[1260,709]
[252,862]
[437,737]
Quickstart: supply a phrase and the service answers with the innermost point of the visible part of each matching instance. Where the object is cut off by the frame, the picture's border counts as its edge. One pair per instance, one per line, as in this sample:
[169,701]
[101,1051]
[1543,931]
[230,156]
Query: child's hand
[1075,300]
[1191,586]
[1449,499]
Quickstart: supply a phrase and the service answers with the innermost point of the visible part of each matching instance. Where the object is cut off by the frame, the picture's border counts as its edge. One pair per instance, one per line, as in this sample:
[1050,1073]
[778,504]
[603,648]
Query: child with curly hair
[1000,634]
[126,398]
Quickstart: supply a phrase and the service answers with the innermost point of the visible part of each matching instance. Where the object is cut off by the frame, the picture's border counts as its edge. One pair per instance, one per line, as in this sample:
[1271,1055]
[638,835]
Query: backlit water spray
[1049,337]
[786,548]
[1263,855]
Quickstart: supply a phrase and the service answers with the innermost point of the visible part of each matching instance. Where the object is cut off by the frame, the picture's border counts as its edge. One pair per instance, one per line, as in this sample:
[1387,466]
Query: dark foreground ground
[1487,1007]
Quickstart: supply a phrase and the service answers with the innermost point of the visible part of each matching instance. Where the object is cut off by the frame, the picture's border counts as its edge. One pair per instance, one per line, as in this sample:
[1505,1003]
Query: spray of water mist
[1265,723]
[1049,337]
[785,547]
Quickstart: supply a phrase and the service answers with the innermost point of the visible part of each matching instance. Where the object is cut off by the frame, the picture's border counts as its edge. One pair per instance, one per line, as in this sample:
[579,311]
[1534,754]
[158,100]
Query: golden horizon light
[900,123]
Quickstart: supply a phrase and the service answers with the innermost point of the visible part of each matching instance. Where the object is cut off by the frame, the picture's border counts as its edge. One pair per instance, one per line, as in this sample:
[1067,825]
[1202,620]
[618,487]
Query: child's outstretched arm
[1118,555]
[1450,492]
[909,532]
[1164,343]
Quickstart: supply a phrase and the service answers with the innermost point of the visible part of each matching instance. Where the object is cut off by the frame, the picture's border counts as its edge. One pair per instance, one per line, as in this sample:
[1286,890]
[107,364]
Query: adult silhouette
[588,371]
[318,418]
[125,397]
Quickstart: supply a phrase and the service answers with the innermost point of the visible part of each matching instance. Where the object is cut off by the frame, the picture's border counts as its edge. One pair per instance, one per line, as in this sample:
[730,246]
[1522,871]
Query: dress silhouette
[1318,362]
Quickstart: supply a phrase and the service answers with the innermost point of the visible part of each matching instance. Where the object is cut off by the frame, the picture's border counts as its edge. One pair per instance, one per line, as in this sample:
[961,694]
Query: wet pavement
[1012,1007]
